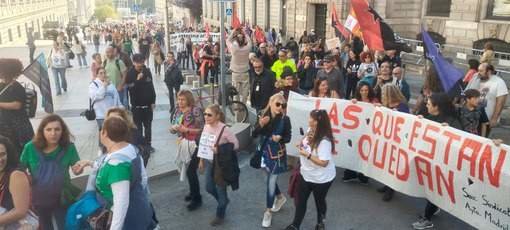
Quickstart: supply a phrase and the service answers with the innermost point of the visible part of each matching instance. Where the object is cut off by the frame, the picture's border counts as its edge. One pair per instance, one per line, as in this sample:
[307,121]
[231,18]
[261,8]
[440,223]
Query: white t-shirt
[314,173]
[489,90]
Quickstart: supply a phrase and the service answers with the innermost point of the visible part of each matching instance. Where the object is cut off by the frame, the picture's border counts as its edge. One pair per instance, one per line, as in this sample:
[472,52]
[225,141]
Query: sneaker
[320,226]
[291,227]
[216,221]
[278,204]
[194,205]
[382,189]
[423,224]
[187,198]
[347,179]
[266,222]
[388,195]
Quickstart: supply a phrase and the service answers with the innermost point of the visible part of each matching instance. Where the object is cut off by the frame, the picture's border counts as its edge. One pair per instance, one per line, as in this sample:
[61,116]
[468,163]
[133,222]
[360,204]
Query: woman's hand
[354,101]
[263,121]
[276,138]
[497,142]
[77,168]
[303,152]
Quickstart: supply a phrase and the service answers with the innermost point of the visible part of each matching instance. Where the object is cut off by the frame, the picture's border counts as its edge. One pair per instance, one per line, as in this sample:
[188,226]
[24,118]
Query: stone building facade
[459,22]
[16,16]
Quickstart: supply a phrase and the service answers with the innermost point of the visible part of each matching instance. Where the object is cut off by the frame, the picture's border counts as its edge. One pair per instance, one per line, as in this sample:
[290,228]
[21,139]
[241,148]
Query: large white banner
[465,175]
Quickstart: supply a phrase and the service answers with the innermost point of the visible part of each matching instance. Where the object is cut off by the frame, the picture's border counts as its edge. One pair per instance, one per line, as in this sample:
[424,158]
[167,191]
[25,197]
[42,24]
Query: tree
[103,12]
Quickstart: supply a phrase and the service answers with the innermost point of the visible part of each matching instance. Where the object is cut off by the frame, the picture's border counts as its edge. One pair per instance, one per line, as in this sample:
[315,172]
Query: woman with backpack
[317,168]
[14,188]
[121,179]
[14,122]
[274,129]
[215,133]
[48,158]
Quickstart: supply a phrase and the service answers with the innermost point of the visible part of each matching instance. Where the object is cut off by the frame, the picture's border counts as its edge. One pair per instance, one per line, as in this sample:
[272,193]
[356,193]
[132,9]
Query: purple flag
[448,73]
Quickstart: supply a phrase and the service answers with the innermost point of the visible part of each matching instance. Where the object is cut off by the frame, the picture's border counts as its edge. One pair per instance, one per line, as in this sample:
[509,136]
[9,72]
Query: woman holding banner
[321,89]
[317,168]
[274,129]
[440,109]
[392,98]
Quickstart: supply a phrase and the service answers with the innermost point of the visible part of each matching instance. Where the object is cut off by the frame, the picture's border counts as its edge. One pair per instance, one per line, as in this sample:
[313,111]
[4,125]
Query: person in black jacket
[143,97]
[173,78]
[307,73]
[274,129]
[262,83]
[439,109]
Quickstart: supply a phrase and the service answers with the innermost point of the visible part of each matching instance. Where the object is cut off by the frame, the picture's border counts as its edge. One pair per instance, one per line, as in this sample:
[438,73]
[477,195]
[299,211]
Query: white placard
[205,148]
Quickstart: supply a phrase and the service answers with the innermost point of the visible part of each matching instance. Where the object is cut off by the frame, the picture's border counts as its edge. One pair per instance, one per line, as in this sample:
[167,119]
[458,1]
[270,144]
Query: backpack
[30,104]
[48,180]
[117,63]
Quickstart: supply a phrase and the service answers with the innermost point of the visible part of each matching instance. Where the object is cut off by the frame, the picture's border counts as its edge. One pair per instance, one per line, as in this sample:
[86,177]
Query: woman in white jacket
[103,95]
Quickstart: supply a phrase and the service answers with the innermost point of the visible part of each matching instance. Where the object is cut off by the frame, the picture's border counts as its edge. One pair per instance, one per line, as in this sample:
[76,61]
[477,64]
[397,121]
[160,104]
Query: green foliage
[103,12]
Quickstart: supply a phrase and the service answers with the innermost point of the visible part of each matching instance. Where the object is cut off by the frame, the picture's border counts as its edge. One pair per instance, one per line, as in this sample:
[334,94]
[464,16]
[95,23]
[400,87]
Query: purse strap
[5,89]
[91,104]
[219,137]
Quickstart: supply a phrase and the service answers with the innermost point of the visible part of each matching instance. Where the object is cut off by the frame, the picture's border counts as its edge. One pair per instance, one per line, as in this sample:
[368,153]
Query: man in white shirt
[493,92]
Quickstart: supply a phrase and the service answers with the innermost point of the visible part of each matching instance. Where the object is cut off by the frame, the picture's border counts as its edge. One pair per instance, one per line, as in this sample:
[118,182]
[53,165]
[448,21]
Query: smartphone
[301,131]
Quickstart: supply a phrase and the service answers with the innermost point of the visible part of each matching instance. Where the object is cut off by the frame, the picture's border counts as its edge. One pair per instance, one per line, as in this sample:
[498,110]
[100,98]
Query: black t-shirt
[15,92]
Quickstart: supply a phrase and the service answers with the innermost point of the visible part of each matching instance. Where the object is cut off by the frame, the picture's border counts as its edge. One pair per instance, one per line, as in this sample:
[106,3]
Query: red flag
[260,35]
[370,26]
[235,19]
[339,28]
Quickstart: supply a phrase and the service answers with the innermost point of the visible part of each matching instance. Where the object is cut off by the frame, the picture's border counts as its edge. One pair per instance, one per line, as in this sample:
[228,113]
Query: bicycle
[236,110]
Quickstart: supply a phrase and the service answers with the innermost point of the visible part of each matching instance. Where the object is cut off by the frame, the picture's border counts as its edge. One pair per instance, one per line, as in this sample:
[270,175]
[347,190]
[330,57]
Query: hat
[329,58]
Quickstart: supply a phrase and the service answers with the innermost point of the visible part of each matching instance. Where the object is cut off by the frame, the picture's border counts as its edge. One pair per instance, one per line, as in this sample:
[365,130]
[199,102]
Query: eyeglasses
[257,67]
[283,105]
[208,114]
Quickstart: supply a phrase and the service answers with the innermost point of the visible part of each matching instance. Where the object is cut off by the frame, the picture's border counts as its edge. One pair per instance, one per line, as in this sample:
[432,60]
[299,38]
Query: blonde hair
[272,99]
[391,93]
[123,114]
[217,111]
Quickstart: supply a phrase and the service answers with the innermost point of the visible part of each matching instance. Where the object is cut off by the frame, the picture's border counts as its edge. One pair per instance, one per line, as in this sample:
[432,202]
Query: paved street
[351,206]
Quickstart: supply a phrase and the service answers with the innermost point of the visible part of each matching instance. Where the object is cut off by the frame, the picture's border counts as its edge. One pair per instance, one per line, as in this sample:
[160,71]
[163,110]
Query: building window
[9,32]
[19,31]
[0,38]
[498,9]
[439,8]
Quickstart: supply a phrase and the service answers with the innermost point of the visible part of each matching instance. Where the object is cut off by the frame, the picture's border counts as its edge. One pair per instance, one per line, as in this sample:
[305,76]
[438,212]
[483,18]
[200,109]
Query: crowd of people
[264,71]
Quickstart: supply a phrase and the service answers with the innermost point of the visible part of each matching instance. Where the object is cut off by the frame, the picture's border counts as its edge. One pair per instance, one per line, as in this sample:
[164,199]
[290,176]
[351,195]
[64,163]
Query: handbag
[101,220]
[90,114]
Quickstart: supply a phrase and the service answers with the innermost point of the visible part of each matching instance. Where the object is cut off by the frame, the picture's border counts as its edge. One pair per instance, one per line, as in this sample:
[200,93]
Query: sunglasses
[283,105]
[208,114]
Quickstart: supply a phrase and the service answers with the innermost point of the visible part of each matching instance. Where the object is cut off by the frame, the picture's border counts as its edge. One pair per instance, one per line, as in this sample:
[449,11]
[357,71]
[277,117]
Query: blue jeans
[272,188]
[82,61]
[123,97]
[217,191]
[100,126]
[59,75]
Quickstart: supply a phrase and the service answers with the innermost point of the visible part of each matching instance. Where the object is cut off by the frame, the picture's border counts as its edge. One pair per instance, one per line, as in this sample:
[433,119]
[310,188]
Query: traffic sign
[228,12]
[136,7]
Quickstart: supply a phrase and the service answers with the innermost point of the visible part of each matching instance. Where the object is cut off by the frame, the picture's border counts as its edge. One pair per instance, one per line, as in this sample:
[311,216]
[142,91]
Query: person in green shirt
[127,45]
[52,142]
[282,62]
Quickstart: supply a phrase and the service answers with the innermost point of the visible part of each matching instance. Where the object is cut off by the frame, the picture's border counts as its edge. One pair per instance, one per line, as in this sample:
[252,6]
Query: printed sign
[465,175]
[205,148]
